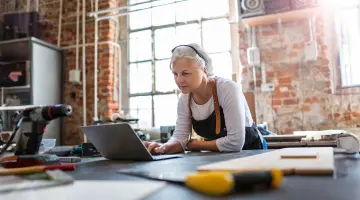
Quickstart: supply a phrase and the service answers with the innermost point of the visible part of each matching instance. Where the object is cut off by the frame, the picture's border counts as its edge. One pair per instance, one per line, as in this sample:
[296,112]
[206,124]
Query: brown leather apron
[214,126]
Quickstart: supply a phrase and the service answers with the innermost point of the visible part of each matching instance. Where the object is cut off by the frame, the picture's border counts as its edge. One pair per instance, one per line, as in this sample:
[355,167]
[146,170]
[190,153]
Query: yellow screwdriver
[218,182]
[223,183]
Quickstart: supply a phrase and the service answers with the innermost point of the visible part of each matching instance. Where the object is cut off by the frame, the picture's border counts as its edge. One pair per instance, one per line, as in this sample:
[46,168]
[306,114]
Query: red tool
[29,161]
[63,167]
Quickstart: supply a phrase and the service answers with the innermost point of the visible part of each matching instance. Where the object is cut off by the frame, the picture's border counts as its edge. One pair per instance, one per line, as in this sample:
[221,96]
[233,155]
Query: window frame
[153,58]
[340,65]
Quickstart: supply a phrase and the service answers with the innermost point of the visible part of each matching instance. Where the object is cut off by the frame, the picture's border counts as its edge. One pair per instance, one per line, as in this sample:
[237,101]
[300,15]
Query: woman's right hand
[154,147]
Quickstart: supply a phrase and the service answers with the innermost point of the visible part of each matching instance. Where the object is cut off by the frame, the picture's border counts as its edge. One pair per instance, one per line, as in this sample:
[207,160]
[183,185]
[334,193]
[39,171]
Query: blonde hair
[194,52]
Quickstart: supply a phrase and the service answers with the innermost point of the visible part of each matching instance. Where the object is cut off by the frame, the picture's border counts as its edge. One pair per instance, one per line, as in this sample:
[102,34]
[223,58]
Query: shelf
[16,87]
[15,108]
[30,39]
[21,49]
[12,61]
[15,90]
[18,49]
[284,17]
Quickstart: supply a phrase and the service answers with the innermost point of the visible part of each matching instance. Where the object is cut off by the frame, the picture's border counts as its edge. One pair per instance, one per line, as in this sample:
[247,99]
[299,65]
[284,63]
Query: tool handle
[22,170]
[222,183]
[31,134]
[65,167]
[257,180]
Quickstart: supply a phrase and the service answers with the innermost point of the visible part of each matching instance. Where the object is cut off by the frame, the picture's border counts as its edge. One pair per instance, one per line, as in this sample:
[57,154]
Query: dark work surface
[344,184]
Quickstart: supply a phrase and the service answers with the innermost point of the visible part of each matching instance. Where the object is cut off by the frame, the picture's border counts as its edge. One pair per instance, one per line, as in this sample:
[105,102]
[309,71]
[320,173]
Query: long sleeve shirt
[236,112]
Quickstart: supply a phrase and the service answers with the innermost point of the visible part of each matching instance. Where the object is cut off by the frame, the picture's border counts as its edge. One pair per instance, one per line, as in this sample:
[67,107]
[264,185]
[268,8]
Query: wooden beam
[250,99]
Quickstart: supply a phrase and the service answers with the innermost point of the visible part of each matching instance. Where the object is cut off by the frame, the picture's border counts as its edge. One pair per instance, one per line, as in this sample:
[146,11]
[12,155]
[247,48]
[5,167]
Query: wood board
[250,99]
[322,163]
[299,154]
[82,189]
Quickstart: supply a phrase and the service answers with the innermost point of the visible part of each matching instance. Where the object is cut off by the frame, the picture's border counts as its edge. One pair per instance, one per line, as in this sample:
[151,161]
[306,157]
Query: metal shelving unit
[44,85]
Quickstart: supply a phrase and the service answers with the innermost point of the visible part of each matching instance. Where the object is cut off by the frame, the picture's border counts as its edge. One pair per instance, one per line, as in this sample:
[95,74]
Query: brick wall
[108,102]
[303,99]
[304,96]
[108,57]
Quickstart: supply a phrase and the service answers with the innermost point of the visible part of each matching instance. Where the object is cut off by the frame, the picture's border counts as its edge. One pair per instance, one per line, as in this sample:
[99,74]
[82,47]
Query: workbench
[345,184]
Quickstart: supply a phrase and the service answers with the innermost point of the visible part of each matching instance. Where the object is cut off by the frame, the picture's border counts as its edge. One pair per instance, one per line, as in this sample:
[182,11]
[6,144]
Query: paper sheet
[99,190]
[51,178]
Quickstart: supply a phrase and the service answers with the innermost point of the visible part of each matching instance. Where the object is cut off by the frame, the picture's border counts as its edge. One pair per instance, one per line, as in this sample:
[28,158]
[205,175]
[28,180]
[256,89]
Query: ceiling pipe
[126,13]
[92,14]
[84,65]
[60,23]
[96,40]
[77,33]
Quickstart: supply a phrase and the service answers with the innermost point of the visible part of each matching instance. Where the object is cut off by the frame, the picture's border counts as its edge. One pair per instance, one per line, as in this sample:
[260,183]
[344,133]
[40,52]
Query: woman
[214,107]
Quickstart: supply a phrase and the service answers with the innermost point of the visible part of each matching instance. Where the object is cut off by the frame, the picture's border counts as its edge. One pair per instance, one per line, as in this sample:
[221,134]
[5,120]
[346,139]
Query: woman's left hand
[193,145]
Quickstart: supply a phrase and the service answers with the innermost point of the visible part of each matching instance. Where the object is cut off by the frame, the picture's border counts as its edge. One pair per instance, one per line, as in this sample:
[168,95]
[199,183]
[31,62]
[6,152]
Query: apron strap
[212,82]
[216,105]
[190,114]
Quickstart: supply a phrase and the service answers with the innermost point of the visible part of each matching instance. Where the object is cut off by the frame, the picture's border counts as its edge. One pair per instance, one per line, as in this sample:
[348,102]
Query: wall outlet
[74,76]
[267,87]
[311,52]
[253,56]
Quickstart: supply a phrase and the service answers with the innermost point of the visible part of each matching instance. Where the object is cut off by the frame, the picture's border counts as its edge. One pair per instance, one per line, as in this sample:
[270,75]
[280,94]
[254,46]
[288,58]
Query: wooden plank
[299,154]
[250,99]
[286,144]
[283,137]
[322,164]
[321,143]
[302,144]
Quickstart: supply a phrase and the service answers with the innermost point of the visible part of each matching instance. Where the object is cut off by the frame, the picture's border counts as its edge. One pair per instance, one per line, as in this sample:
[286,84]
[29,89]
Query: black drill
[31,126]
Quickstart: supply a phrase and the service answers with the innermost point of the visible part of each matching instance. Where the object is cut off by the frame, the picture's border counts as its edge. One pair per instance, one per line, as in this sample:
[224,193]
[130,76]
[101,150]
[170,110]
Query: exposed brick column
[107,101]
[303,98]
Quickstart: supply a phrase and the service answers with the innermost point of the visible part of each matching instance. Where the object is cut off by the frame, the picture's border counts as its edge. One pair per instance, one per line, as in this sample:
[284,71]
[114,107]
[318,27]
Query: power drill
[31,124]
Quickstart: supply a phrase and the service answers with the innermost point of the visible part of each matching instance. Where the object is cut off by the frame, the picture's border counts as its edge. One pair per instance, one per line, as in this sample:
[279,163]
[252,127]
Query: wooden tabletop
[345,184]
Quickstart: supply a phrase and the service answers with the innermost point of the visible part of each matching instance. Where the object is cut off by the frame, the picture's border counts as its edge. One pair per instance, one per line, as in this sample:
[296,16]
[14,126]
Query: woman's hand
[194,145]
[172,146]
[198,145]
[155,147]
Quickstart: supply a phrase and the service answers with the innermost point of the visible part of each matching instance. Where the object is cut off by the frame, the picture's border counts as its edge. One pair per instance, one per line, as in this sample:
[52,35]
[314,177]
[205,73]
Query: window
[154,30]
[347,21]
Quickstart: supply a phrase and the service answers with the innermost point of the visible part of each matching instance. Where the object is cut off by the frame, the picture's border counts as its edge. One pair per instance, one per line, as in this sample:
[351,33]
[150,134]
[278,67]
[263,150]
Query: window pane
[165,109]
[354,45]
[349,35]
[222,64]
[216,35]
[188,10]
[140,78]
[163,14]
[214,8]
[188,34]
[140,46]
[141,108]
[164,78]
[140,19]
[164,42]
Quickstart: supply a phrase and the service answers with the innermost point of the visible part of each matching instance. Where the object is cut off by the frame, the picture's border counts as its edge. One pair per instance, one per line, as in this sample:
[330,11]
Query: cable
[11,137]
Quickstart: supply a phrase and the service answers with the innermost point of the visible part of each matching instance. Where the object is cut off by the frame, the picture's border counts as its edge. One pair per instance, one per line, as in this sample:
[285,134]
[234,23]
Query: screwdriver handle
[222,183]
[257,180]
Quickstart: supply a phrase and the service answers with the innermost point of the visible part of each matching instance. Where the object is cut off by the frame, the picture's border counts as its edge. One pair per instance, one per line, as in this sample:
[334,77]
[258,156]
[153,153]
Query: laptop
[120,142]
